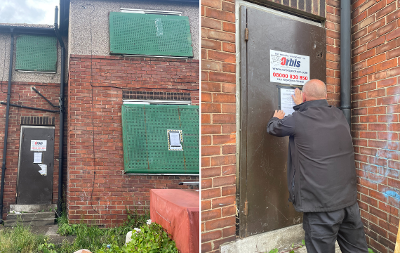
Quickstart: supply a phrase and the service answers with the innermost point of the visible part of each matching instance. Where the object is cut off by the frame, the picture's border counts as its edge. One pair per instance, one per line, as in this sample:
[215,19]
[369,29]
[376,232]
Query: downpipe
[345,59]
[3,166]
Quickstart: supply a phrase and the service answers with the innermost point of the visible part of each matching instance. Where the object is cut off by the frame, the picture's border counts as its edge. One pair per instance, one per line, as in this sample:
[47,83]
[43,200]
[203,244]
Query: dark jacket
[321,169]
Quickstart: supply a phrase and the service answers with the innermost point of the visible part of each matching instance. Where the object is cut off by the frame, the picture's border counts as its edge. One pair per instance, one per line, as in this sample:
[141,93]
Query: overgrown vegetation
[151,238]
[19,239]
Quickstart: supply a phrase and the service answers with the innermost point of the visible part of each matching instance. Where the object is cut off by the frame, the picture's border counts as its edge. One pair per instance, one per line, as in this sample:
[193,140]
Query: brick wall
[375,117]
[22,94]
[218,95]
[98,190]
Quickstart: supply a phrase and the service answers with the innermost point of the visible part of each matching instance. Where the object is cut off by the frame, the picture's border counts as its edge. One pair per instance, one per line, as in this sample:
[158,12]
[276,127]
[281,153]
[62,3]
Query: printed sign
[286,100]
[38,145]
[37,157]
[287,68]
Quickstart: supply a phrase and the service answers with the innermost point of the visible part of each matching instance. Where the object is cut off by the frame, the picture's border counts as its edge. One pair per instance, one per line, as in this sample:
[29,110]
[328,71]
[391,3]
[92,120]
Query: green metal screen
[145,138]
[150,34]
[36,53]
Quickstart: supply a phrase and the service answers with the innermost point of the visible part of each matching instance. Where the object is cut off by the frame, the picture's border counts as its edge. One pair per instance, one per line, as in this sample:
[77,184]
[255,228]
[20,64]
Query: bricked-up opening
[38,121]
[151,95]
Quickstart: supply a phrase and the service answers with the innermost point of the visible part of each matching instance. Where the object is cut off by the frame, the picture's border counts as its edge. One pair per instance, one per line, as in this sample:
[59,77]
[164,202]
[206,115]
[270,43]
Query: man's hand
[297,97]
[279,114]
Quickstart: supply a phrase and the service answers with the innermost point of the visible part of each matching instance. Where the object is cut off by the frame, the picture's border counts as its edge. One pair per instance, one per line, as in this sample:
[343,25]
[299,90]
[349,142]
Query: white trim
[159,174]
[155,102]
[34,71]
[158,12]
[156,56]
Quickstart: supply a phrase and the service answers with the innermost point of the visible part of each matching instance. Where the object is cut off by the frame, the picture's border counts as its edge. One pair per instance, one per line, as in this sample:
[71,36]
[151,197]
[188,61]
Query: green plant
[92,237]
[20,239]
[150,239]
[46,247]
[273,251]
[370,250]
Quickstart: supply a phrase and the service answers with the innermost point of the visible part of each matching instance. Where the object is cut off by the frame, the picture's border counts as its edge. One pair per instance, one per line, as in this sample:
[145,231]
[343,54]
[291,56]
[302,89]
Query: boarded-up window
[150,34]
[36,53]
[161,139]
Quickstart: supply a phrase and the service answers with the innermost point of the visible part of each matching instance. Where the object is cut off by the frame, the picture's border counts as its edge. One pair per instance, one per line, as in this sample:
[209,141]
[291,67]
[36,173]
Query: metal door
[35,165]
[263,193]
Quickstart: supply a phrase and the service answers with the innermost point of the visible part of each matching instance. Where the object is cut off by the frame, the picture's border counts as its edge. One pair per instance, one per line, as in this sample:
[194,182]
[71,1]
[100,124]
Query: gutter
[26,30]
[3,167]
[345,59]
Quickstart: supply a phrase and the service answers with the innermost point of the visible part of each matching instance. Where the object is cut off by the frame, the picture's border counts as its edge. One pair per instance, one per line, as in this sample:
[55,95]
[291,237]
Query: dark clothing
[322,230]
[321,169]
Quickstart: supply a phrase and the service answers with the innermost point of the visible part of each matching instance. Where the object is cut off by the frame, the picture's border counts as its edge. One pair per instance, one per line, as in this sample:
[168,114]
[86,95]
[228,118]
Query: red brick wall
[218,106]
[218,120]
[375,117]
[98,189]
[22,94]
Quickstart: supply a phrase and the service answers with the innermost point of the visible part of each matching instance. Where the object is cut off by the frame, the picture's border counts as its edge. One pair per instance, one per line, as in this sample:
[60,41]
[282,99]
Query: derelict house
[108,99]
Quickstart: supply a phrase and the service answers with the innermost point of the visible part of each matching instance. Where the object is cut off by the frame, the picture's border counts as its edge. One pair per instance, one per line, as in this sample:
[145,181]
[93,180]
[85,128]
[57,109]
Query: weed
[150,238]
[20,239]
[93,238]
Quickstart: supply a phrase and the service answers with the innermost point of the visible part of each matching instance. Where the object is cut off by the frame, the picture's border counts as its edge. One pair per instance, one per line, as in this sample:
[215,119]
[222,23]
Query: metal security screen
[145,138]
[36,53]
[150,34]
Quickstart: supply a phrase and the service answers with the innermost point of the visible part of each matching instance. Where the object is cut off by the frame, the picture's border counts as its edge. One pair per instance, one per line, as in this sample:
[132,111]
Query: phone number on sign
[294,77]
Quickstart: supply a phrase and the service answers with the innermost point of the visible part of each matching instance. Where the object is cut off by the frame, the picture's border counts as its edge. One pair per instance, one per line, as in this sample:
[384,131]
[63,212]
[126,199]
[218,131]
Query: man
[321,171]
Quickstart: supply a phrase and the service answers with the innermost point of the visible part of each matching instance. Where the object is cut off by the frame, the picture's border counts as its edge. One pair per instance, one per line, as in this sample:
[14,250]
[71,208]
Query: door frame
[19,155]
[241,81]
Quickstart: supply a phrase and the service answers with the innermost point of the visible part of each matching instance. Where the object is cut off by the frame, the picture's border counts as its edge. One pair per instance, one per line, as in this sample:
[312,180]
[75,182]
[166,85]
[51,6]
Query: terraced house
[100,108]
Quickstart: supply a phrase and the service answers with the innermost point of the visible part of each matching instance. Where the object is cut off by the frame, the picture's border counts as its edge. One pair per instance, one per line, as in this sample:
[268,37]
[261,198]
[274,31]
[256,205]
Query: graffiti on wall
[379,172]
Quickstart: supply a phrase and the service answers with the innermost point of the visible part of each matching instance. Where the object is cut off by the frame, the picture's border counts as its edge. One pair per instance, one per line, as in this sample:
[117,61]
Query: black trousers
[322,229]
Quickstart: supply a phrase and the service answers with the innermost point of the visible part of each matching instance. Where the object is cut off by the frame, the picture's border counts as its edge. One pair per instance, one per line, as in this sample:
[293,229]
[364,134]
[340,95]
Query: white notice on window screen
[174,139]
[287,102]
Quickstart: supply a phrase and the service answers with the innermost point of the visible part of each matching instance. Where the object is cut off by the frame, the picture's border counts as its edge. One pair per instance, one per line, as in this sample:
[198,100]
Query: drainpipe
[345,59]
[61,146]
[3,166]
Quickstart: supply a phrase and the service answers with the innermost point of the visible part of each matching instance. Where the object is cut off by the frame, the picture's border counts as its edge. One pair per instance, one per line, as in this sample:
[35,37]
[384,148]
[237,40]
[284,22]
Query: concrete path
[299,248]
[50,231]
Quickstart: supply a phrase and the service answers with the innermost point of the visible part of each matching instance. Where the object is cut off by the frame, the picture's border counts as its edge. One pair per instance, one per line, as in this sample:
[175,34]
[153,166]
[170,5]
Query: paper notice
[37,157]
[43,170]
[175,139]
[287,102]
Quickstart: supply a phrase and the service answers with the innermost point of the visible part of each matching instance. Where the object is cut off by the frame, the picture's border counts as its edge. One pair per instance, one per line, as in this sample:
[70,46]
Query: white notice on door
[37,157]
[287,102]
[43,169]
[289,68]
[38,145]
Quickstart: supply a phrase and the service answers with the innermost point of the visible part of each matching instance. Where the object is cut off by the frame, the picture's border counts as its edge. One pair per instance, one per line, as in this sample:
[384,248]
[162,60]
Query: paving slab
[50,231]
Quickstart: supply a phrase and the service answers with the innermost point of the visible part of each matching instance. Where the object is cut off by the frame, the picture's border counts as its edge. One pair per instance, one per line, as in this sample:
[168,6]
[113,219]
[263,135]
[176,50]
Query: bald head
[314,90]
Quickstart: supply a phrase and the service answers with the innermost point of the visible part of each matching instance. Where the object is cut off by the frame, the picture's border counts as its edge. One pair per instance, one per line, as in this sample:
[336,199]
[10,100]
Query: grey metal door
[35,165]
[263,193]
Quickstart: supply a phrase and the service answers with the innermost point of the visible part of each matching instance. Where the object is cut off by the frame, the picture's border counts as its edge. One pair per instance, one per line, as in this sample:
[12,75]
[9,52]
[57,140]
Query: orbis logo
[290,62]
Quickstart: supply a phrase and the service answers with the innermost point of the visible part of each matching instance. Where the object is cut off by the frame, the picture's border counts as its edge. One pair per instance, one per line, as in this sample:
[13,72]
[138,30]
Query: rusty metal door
[263,192]
[35,165]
